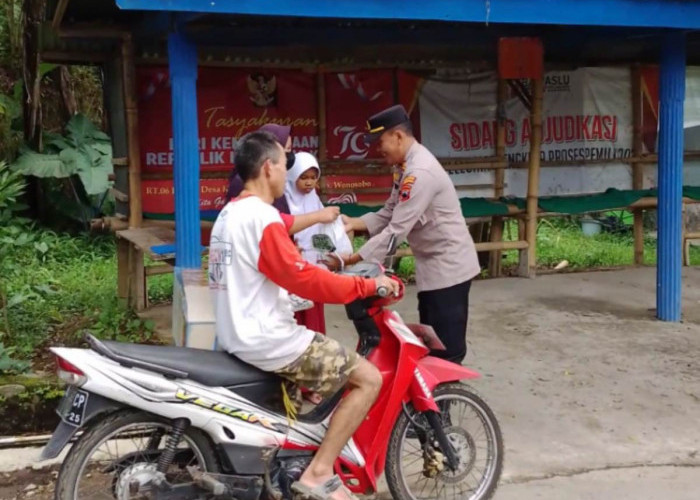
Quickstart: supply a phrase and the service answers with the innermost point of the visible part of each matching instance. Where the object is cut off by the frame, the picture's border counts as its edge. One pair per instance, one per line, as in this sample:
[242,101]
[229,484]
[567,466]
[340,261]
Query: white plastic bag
[336,232]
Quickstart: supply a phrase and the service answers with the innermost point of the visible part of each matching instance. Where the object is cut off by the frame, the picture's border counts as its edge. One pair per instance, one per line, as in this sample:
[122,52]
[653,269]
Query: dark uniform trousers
[447,311]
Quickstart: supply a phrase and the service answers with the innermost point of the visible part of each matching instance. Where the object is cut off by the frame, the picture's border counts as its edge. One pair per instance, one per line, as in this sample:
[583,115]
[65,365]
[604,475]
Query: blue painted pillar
[670,211]
[182,56]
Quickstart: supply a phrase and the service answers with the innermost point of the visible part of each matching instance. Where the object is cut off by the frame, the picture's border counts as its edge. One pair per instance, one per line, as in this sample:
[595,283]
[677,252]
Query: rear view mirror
[322,243]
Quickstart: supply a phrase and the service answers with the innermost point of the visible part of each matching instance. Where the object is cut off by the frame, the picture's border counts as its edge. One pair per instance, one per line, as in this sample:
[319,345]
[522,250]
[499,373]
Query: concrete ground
[596,399]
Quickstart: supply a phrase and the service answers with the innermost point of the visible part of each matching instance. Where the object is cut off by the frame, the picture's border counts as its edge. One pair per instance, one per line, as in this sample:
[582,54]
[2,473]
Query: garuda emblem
[263,90]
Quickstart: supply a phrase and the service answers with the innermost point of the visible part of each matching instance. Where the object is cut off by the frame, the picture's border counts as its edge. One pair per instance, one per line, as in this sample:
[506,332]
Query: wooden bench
[132,245]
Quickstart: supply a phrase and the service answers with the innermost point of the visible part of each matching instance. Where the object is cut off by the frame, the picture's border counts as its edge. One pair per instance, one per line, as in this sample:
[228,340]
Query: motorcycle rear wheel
[473,430]
[141,436]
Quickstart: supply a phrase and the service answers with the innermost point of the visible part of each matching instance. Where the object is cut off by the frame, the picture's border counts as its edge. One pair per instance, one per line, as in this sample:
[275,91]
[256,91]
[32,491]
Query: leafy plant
[84,153]
[9,365]
[11,188]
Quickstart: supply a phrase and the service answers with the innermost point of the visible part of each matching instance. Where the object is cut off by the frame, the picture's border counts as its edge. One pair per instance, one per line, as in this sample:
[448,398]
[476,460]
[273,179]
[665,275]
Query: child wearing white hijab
[302,198]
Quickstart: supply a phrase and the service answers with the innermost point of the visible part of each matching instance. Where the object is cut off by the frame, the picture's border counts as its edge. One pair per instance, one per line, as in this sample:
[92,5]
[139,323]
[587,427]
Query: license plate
[73,405]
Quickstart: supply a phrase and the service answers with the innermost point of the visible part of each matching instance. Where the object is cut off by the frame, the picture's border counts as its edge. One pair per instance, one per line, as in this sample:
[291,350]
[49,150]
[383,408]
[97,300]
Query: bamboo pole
[134,154]
[499,175]
[488,246]
[528,258]
[637,168]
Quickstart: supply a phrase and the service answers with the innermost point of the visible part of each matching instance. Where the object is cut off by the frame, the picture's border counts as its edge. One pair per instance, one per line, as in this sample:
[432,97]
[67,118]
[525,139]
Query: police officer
[424,209]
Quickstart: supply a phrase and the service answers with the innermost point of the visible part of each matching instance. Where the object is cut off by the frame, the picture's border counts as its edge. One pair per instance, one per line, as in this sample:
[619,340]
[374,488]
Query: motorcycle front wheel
[121,451]
[418,471]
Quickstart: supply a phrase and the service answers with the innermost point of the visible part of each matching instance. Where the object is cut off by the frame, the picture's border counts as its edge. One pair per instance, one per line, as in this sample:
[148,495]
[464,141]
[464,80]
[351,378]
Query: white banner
[457,112]
[587,116]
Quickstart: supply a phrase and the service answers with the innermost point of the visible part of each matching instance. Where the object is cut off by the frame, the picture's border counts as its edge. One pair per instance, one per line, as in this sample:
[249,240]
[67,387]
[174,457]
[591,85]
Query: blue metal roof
[683,14]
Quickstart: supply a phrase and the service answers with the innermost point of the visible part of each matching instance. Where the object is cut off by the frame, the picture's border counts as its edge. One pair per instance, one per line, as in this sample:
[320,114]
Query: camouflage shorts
[323,368]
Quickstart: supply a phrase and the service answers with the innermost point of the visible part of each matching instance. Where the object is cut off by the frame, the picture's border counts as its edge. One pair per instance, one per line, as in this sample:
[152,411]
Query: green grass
[56,294]
[559,240]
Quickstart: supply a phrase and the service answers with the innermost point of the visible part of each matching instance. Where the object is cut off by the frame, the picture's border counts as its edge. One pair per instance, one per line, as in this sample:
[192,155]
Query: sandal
[322,491]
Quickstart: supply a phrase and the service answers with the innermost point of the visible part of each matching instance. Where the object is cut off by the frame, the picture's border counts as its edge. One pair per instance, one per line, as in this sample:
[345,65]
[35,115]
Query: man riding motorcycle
[252,265]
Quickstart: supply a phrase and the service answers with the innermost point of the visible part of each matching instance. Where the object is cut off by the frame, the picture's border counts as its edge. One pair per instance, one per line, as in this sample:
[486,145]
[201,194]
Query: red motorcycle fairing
[431,372]
[409,376]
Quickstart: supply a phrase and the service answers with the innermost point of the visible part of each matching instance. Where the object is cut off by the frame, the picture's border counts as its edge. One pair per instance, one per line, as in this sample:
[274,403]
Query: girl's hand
[328,214]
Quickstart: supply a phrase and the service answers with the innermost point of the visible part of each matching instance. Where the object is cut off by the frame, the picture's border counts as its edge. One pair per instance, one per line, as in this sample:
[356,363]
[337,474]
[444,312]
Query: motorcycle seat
[212,368]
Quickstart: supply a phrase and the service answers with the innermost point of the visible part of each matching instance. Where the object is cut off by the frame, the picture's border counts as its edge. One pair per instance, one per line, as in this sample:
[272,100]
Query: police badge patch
[405,189]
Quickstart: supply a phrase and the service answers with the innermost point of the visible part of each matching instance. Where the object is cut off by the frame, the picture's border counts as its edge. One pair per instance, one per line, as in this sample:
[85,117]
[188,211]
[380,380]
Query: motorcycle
[175,423]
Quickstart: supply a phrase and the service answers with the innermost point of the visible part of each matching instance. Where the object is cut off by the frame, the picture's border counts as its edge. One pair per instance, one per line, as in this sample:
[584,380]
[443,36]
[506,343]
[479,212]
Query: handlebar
[372,270]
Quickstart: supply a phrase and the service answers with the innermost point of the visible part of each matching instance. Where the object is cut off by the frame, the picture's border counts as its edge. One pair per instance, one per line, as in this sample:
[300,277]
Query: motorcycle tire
[110,425]
[397,474]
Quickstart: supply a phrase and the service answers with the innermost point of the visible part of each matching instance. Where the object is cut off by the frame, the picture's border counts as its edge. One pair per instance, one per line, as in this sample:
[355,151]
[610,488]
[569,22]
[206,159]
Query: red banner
[232,102]
[351,98]
[347,188]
